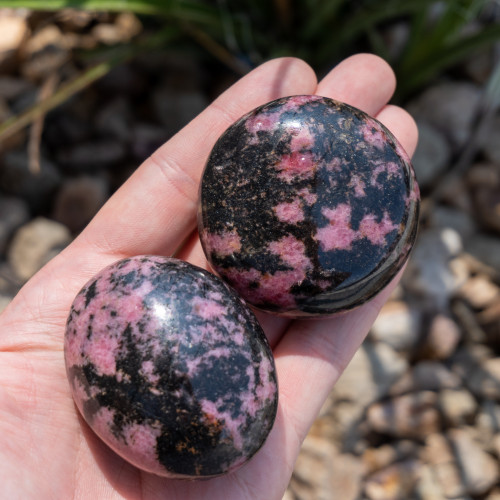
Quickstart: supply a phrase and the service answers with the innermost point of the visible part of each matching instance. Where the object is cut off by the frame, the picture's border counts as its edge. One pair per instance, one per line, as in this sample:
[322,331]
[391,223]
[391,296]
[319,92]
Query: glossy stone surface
[308,206]
[170,368]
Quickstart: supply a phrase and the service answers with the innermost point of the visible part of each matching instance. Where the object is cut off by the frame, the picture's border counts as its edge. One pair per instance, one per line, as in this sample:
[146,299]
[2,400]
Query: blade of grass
[181,9]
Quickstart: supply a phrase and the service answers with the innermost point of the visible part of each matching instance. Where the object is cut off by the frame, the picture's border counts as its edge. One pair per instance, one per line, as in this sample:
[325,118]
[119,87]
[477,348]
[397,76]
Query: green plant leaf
[190,10]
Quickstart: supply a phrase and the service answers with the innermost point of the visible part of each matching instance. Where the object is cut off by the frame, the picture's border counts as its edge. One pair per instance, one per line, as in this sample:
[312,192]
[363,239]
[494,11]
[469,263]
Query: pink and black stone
[170,368]
[308,206]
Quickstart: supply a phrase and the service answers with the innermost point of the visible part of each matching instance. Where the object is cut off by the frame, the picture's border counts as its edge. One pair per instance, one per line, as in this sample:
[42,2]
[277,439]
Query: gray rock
[486,249]
[430,272]
[457,406]
[432,154]
[370,374]
[78,201]
[398,324]
[409,416]
[13,213]
[34,244]
[487,422]
[490,145]
[484,381]
[449,106]
[92,156]
[459,220]
[479,469]
[146,138]
[175,108]
[426,376]
[12,87]
[36,188]
[115,119]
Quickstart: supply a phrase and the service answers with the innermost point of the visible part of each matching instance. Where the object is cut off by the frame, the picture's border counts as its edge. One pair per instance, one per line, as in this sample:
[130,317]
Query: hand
[46,449]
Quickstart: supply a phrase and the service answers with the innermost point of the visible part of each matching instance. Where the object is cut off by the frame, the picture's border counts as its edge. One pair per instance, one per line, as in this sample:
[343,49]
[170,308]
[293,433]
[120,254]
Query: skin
[46,450]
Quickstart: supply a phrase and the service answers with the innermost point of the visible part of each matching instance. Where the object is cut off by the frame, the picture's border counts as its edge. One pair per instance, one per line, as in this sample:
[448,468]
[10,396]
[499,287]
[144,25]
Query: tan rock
[457,406]
[34,244]
[479,291]
[14,30]
[394,482]
[479,469]
[375,459]
[322,472]
[408,416]
[443,336]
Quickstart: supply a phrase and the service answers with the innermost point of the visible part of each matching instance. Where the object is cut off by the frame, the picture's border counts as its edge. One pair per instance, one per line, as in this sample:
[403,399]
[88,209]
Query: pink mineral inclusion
[293,103]
[290,213]
[373,134]
[376,231]
[291,251]
[391,168]
[307,196]
[263,122]
[223,244]
[334,165]
[302,139]
[296,165]
[359,186]
[207,309]
[338,235]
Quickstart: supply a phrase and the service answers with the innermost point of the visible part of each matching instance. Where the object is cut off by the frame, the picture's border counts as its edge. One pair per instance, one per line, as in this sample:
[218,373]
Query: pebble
[479,291]
[34,244]
[408,416]
[439,454]
[489,143]
[461,221]
[487,422]
[486,249]
[479,469]
[426,375]
[92,156]
[115,119]
[11,87]
[449,106]
[432,154]
[36,188]
[398,324]
[375,459]
[457,406]
[442,338]
[176,108]
[484,381]
[370,374]
[13,213]
[430,272]
[394,482]
[322,472]
[14,29]
[170,368]
[78,200]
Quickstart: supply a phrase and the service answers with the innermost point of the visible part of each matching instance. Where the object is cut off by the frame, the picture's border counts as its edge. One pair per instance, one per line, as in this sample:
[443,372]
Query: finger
[154,211]
[402,125]
[365,81]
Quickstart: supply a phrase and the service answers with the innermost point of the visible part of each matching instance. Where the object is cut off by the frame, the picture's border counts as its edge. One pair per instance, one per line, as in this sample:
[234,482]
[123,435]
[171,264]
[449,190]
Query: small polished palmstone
[170,368]
[308,206]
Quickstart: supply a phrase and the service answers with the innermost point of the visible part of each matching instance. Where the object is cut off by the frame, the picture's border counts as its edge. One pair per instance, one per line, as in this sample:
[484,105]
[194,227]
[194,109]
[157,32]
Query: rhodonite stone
[308,206]
[170,368]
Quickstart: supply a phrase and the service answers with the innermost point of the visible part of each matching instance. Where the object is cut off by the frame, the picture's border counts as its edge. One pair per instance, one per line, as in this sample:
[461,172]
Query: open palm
[46,449]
